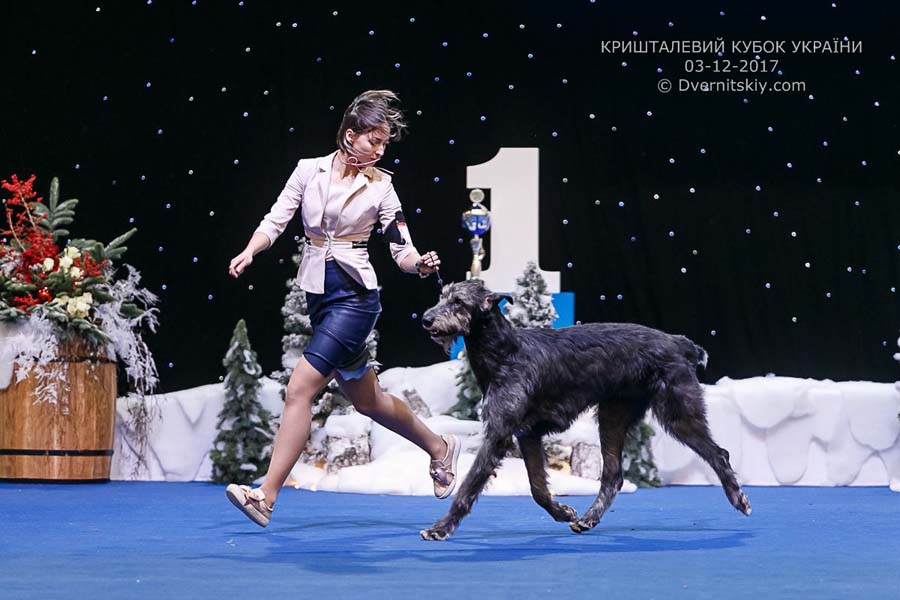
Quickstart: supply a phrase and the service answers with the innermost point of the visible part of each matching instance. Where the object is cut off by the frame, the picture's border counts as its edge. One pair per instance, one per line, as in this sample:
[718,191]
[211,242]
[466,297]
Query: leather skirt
[342,318]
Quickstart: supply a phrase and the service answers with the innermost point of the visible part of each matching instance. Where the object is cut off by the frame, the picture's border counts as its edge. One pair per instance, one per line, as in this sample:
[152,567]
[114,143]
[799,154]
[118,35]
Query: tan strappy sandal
[443,471]
[251,502]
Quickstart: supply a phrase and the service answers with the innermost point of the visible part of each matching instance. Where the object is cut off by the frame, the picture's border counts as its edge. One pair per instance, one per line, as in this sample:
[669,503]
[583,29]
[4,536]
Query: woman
[342,196]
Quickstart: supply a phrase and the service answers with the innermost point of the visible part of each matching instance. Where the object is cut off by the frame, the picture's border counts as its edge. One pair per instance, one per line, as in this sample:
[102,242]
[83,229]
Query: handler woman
[341,197]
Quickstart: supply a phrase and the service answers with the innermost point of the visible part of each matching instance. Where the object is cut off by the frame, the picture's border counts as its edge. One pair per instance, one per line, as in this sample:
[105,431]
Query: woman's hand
[428,263]
[240,262]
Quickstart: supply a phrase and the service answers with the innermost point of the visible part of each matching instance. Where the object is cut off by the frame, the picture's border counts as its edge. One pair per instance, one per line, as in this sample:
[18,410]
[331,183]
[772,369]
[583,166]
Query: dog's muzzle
[441,338]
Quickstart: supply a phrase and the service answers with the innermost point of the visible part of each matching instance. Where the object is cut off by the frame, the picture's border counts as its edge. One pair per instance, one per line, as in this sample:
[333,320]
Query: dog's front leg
[487,460]
[536,465]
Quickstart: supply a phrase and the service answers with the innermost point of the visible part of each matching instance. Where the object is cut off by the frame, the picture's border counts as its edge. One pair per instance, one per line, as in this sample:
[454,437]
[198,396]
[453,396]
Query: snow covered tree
[468,394]
[298,330]
[533,304]
[637,459]
[243,447]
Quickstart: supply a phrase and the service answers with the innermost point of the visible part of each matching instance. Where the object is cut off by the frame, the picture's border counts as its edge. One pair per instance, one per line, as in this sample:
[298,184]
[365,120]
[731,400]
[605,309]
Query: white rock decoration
[587,461]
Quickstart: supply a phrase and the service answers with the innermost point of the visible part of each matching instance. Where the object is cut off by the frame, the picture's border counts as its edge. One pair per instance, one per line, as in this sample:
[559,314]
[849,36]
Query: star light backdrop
[766,228]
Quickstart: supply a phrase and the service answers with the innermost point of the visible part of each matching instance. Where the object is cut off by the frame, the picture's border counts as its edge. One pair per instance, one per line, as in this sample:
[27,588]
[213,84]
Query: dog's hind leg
[614,424]
[681,410]
[536,465]
[486,462]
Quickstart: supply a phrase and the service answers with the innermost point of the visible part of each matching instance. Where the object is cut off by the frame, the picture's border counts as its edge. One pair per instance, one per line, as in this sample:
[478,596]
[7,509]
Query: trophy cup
[477,221]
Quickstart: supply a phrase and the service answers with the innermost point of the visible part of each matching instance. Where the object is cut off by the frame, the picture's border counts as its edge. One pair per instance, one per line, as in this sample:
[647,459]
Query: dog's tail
[693,352]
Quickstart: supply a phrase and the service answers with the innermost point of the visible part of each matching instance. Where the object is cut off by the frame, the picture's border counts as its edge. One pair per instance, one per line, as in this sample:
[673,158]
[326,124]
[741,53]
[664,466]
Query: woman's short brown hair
[371,110]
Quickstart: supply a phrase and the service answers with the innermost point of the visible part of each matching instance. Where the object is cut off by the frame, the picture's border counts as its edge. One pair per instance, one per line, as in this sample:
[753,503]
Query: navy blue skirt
[342,319]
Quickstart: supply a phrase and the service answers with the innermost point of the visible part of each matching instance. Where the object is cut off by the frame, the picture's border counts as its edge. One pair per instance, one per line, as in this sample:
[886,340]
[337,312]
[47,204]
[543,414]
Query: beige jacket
[372,200]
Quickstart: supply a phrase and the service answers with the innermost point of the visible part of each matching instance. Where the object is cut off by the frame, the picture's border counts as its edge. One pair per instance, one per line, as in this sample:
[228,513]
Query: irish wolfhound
[537,381]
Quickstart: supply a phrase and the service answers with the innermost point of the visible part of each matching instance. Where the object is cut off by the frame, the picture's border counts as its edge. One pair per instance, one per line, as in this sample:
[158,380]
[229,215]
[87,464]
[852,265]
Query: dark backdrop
[139,109]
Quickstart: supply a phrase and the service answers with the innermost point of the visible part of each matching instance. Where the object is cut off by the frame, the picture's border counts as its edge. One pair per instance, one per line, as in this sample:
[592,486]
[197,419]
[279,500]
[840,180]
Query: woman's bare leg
[391,412]
[293,433]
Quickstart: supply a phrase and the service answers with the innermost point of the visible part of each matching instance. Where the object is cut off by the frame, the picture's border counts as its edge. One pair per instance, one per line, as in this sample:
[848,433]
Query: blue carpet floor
[184,540]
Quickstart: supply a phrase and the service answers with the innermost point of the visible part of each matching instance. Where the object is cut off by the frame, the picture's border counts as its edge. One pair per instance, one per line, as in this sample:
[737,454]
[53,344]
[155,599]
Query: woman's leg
[388,410]
[293,433]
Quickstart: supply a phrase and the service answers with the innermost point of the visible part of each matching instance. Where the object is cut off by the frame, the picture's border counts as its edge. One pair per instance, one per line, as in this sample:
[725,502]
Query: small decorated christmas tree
[242,450]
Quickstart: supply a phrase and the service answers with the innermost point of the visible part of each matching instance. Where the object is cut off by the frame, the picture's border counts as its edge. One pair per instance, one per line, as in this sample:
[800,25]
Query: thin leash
[440,282]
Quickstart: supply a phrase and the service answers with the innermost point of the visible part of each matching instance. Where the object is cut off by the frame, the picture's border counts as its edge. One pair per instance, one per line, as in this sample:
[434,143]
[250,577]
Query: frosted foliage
[124,332]
[31,347]
[296,321]
[295,310]
[8,264]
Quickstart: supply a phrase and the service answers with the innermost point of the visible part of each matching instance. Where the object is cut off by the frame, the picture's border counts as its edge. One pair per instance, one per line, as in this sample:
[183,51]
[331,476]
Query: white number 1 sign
[512,176]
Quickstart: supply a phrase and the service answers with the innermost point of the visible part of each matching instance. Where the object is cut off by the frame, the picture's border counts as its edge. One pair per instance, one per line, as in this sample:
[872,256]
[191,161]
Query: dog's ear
[493,300]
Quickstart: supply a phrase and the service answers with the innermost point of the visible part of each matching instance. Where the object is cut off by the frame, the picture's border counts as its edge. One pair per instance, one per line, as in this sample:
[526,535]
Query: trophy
[477,221]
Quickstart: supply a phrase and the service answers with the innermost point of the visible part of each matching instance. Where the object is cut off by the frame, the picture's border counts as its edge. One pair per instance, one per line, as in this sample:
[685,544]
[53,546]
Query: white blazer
[372,200]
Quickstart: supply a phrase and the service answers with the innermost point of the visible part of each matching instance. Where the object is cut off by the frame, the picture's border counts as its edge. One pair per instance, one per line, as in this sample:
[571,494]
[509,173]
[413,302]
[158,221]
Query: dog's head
[460,305]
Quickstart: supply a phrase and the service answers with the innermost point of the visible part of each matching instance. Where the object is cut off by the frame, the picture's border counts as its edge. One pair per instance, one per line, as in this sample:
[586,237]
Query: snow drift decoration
[779,431]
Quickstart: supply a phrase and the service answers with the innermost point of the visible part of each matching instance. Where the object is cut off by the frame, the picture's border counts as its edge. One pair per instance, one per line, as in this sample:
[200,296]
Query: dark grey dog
[537,381]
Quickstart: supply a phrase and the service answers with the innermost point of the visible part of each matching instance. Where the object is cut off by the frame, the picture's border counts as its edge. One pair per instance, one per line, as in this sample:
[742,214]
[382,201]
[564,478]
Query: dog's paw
[743,505]
[738,500]
[565,513]
[580,526]
[435,534]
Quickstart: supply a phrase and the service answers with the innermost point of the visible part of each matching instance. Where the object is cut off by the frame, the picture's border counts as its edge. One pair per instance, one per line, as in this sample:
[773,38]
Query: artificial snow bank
[778,430]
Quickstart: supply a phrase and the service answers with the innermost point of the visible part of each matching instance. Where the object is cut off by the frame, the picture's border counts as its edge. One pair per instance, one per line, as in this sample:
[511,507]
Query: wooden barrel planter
[67,441]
